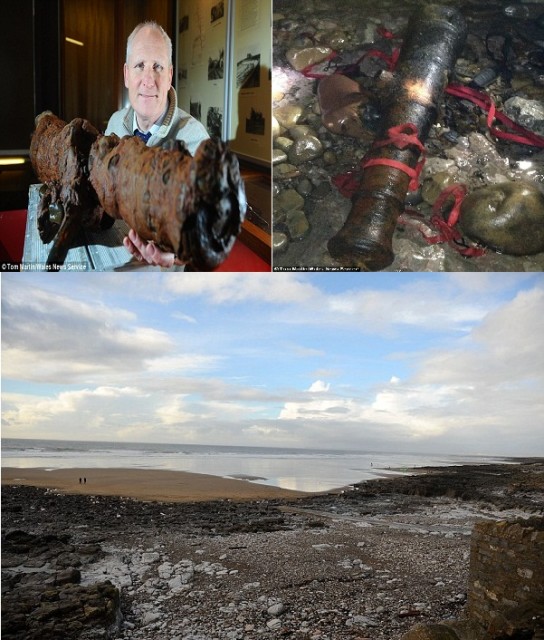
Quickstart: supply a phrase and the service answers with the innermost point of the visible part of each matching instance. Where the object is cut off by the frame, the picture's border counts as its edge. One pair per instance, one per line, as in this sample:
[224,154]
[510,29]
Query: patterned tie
[144,136]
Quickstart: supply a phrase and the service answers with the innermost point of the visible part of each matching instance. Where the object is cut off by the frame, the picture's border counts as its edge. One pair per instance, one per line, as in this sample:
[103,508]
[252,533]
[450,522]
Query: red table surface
[12,240]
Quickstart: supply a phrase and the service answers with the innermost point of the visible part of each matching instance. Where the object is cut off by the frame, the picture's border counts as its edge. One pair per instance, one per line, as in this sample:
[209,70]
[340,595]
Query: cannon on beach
[409,107]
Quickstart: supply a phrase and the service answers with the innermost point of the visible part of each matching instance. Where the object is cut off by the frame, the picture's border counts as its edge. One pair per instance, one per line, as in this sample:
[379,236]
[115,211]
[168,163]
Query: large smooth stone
[508,217]
[302,58]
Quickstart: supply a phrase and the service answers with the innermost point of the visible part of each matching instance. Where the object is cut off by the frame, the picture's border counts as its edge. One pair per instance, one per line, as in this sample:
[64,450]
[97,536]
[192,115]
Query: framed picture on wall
[224,61]
[201,42]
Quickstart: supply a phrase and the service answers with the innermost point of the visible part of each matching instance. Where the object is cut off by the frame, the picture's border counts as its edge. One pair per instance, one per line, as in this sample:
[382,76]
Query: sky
[392,362]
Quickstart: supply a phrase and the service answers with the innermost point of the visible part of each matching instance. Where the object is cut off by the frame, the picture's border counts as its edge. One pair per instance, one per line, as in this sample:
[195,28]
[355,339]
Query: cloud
[502,350]
[52,337]
[449,366]
[183,316]
[319,386]
[230,288]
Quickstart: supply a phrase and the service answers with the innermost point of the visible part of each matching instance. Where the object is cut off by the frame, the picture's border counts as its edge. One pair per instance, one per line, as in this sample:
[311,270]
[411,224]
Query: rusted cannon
[192,207]
[435,38]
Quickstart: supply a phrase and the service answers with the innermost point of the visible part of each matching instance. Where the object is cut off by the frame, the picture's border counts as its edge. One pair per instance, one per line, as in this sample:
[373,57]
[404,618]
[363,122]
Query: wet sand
[144,484]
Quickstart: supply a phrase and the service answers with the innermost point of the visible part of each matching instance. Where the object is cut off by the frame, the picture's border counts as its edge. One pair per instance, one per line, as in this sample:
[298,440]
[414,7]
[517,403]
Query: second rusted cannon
[435,38]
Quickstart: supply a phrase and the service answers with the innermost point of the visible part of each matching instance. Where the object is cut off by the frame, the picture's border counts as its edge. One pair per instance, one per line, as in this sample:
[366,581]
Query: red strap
[385,33]
[401,136]
[447,231]
[485,103]
[412,173]
[458,192]
[307,71]
[376,53]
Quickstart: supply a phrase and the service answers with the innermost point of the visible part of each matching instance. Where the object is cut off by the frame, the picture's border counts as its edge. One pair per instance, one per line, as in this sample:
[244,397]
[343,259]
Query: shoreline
[144,484]
[165,485]
[388,550]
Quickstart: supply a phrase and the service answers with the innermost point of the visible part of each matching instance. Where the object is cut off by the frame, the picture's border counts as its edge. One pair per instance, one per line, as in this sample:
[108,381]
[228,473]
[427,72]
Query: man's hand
[148,251]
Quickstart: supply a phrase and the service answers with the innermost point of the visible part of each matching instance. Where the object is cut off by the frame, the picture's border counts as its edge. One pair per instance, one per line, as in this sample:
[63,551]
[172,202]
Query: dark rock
[49,604]
[507,217]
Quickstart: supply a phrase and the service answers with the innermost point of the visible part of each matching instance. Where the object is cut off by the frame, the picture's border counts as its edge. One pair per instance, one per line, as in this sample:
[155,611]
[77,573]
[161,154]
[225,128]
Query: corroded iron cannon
[191,206]
[435,38]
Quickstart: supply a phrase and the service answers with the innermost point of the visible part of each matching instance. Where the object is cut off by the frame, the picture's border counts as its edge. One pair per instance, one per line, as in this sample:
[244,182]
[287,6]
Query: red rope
[447,231]
[307,71]
[482,100]
[377,53]
[401,136]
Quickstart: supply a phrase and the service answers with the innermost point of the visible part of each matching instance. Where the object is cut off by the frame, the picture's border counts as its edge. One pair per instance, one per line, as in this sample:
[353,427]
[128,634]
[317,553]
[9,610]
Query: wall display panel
[224,56]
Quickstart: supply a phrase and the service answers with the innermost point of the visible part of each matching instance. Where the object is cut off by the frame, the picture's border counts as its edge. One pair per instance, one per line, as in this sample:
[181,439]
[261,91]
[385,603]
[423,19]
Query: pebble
[280,241]
[288,200]
[285,171]
[276,609]
[297,224]
[288,115]
[278,156]
[275,623]
[527,113]
[283,143]
[150,557]
[304,187]
[305,149]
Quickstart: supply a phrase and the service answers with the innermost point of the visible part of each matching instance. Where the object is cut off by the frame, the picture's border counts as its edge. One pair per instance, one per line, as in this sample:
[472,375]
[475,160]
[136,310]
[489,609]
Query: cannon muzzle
[435,38]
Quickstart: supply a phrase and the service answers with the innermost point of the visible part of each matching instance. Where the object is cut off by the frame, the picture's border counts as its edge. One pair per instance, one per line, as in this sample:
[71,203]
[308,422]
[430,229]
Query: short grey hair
[156,27]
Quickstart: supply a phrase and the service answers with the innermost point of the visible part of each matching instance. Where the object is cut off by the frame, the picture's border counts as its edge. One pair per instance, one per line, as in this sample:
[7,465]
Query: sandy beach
[145,555]
[144,484]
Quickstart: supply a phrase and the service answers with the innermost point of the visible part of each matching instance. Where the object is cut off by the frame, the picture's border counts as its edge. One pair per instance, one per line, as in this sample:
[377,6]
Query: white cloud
[319,386]
[55,338]
[185,317]
[235,287]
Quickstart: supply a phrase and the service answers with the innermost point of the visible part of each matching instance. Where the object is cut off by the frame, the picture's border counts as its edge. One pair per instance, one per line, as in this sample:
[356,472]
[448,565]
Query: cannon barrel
[191,206]
[435,38]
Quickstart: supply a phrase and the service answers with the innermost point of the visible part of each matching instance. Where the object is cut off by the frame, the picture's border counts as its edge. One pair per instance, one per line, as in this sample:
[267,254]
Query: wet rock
[339,99]
[301,131]
[302,58]
[433,186]
[283,143]
[304,187]
[276,129]
[278,156]
[330,158]
[280,241]
[305,149]
[285,171]
[288,115]
[507,217]
[298,224]
[288,200]
[527,113]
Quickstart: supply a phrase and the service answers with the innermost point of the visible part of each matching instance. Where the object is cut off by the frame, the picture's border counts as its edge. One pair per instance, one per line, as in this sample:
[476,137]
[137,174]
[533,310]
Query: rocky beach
[367,561]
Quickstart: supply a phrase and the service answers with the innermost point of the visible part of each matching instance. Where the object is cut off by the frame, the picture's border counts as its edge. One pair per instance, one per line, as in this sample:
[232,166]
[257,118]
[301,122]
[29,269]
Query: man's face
[148,76]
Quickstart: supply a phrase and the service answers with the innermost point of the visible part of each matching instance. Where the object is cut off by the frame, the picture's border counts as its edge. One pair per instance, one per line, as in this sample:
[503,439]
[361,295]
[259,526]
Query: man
[153,114]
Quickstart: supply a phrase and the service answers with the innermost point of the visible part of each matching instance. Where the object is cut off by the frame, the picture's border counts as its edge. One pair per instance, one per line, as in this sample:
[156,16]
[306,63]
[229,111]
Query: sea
[310,470]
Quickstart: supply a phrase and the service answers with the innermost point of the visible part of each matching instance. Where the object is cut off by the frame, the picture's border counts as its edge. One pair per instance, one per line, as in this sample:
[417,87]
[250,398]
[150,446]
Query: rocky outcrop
[42,598]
